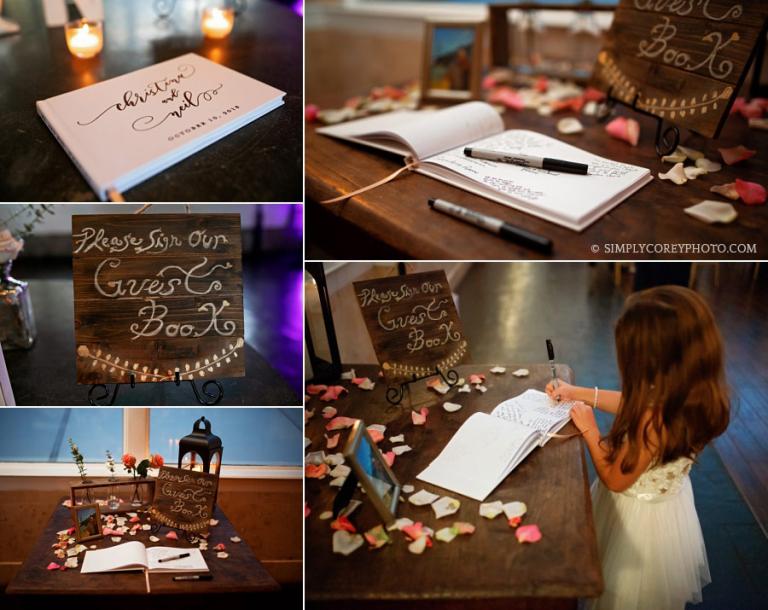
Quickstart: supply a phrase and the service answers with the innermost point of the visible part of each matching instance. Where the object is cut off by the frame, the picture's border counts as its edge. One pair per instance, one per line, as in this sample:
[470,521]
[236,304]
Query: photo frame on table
[377,479]
[87,520]
[451,61]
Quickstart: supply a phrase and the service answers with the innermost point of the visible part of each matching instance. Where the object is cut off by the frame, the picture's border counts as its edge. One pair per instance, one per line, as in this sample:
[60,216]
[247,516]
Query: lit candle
[218,22]
[84,38]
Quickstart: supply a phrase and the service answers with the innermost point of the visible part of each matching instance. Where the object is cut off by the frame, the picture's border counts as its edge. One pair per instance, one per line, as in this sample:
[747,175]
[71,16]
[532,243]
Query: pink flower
[129,461]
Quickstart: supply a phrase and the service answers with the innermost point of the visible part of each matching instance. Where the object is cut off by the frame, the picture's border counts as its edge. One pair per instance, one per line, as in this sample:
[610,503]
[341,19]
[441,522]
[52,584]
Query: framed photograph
[87,518]
[379,482]
[452,61]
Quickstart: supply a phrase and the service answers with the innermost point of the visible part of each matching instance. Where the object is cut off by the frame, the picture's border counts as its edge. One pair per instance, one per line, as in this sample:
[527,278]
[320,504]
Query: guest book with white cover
[488,447]
[436,139]
[127,129]
[135,556]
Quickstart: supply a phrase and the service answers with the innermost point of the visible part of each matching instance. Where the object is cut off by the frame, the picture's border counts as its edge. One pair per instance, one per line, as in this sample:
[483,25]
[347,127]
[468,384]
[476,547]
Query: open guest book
[124,130]
[135,556]
[488,447]
[436,139]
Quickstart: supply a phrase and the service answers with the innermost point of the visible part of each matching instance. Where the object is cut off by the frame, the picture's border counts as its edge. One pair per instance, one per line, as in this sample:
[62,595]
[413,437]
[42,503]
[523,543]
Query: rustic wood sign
[156,294]
[413,323]
[685,60]
[184,499]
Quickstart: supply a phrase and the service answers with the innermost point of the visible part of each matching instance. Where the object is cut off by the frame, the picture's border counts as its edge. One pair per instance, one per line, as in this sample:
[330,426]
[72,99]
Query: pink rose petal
[463,527]
[333,392]
[389,458]
[489,82]
[332,441]
[343,523]
[625,129]
[376,436]
[751,193]
[307,510]
[53,566]
[528,533]
[315,471]
[414,531]
[736,153]
[135,519]
[313,390]
[420,418]
[172,535]
[329,412]
[339,423]
[476,379]
[507,97]
[593,95]
[310,113]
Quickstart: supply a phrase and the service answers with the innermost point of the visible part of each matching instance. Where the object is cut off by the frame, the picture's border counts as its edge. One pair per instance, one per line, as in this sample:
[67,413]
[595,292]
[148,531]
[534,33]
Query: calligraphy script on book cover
[685,60]
[157,294]
[413,323]
[184,499]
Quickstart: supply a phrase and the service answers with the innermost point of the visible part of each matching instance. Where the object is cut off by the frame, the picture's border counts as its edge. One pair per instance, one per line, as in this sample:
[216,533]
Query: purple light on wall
[298,8]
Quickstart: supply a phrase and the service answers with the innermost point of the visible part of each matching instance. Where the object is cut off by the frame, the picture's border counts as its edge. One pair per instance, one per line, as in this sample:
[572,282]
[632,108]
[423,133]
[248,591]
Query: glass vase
[136,499]
[17,323]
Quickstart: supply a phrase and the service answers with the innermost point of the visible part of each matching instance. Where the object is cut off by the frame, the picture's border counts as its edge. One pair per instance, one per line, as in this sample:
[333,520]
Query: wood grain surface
[488,569]
[683,61]
[157,293]
[413,323]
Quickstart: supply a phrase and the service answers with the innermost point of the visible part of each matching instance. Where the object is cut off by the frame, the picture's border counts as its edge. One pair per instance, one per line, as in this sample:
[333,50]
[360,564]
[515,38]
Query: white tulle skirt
[652,551]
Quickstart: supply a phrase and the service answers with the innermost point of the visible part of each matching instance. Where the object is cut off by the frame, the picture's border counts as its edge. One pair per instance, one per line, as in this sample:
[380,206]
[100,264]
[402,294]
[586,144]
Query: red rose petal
[389,458]
[343,523]
[507,97]
[313,390]
[315,471]
[751,193]
[172,535]
[339,423]
[736,153]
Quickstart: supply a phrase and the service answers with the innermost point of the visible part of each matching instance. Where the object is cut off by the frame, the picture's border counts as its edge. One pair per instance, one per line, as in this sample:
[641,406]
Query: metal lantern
[201,451]
[322,349]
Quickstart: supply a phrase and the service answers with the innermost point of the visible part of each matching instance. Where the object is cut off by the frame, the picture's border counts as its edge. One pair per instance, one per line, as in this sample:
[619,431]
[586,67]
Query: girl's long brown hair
[670,358]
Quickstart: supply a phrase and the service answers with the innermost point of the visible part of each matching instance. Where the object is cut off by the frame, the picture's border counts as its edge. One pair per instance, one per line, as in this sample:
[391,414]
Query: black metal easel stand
[203,396]
[395,393]
[666,139]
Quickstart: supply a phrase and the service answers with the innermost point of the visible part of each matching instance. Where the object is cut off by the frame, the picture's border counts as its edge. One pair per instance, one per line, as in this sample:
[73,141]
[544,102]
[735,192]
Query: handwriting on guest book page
[413,323]
[157,294]
[184,499]
[684,60]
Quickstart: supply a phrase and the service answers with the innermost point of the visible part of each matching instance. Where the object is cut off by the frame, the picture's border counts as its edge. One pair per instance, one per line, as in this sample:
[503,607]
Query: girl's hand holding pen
[563,391]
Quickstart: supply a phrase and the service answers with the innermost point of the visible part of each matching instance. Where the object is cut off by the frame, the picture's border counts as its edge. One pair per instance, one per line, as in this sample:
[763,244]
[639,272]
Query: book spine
[47,115]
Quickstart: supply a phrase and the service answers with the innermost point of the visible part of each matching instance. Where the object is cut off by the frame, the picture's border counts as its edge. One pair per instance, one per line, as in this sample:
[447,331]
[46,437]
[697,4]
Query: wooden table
[236,582]
[394,222]
[488,569]
[53,307]
[260,162]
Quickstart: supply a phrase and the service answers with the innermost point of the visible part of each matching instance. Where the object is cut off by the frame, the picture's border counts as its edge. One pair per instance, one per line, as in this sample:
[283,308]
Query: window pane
[40,435]
[258,437]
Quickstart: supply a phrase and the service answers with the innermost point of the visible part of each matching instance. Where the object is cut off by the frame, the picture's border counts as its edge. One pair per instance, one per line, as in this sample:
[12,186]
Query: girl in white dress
[673,402]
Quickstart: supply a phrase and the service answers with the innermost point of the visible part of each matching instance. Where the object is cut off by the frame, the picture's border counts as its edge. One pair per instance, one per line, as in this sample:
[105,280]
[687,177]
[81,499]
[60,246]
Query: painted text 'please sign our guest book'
[124,130]
[684,61]
[184,499]
[413,323]
[157,295]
